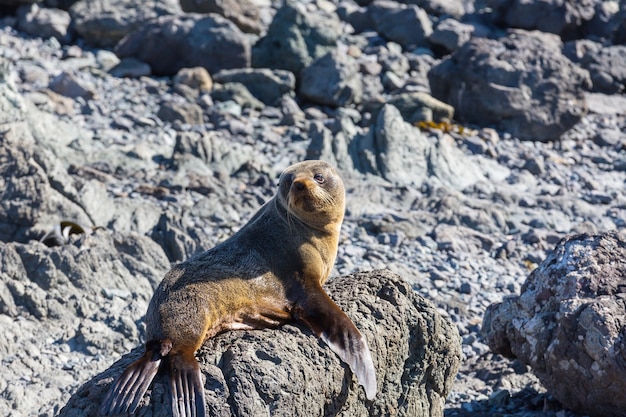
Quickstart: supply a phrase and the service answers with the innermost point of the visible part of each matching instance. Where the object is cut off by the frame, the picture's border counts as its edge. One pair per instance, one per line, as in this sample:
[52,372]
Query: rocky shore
[472,136]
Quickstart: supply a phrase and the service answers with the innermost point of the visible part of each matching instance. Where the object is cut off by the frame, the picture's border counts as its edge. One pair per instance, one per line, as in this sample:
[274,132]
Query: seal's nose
[299,184]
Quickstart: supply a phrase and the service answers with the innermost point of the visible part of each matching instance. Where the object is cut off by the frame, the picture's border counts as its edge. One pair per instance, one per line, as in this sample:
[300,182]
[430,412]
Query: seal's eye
[319,178]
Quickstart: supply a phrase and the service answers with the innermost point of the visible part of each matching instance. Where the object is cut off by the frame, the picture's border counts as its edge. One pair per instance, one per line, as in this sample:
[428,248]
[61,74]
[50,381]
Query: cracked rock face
[568,324]
[289,372]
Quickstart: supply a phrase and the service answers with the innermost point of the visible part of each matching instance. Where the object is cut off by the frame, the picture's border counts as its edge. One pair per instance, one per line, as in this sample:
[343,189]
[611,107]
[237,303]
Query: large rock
[43,22]
[171,43]
[105,22]
[522,84]
[407,25]
[562,17]
[35,189]
[244,13]
[416,353]
[396,151]
[296,38]
[332,80]
[568,325]
[265,84]
[84,294]
[606,64]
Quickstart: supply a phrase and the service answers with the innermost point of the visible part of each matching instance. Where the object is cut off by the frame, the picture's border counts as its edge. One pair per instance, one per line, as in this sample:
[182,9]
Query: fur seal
[268,273]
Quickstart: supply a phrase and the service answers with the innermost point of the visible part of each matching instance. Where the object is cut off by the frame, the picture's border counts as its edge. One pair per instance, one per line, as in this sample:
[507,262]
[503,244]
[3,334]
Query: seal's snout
[299,184]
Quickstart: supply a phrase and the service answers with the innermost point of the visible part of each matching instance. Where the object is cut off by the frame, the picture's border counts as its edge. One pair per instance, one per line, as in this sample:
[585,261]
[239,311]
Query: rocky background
[472,137]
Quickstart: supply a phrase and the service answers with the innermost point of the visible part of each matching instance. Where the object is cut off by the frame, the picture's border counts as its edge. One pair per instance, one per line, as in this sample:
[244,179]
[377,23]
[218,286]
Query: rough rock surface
[295,39]
[332,80]
[516,83]
[562,17]
[244,13]
[568,324]
[105,22]
[416,352]
[171,43]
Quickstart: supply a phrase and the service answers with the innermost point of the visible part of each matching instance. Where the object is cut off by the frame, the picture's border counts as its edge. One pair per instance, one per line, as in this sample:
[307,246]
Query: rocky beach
[472,137]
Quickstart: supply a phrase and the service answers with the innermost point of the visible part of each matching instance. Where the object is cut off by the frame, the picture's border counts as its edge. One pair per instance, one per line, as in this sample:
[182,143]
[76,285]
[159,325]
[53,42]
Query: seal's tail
[126,392]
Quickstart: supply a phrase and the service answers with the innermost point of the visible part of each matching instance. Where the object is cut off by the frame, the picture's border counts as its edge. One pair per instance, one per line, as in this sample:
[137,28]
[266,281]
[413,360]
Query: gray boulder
[454,8]
[170,43]
[36,190]
[184,112]
[296,38]
[522,84]
[243,13]
[450,34]
[43,22]
[567,324]
[606,64]
[51,298]
[396,151]
[561,17]
[265,84]
[105,22]
[416,352]
[332,80]
[409,25]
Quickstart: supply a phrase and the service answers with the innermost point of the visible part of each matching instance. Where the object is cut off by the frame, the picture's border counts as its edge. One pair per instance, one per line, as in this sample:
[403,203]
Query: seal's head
[313,192]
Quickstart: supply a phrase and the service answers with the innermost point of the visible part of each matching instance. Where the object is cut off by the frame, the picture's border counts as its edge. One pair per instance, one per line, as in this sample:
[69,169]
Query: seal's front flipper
[186,386]
[336,329]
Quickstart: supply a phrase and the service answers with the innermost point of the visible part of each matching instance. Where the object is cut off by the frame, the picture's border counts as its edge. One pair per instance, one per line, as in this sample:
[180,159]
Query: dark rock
[416,352]
[236,92]
[409,26]
[454,8]
[171,43]
[189,113]
[105,22]
[296,38]
[131,67]
[562,17]
[358,17]
[606,64]
[521,84]
[332,80]
[46,23]
[604,22]
[567,323]
[451,34]
[243,13]
[265,84]
[619,33]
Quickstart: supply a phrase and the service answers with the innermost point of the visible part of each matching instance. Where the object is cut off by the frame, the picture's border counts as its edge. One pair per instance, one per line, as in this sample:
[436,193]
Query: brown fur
[268,273]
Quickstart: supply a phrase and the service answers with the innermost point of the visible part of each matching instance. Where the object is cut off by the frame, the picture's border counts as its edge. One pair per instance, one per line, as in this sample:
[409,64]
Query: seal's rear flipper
[336,329]
[126,392]
[186,386]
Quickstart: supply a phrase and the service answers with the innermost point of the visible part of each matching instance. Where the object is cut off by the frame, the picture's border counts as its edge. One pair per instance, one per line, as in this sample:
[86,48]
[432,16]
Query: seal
[268,273]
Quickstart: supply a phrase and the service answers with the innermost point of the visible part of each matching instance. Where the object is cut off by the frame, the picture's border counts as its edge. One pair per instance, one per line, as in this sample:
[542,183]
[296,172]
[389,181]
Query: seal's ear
[336,329]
